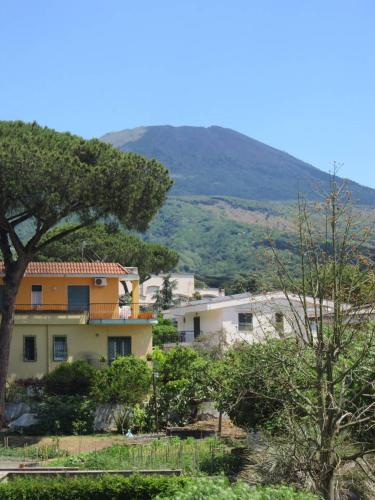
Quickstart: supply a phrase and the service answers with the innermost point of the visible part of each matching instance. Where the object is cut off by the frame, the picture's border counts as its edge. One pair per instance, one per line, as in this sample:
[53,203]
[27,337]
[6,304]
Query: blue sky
[296,74]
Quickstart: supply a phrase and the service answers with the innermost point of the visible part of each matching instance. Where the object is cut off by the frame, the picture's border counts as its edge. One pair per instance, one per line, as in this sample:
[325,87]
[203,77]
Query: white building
[241,317]
[184,288]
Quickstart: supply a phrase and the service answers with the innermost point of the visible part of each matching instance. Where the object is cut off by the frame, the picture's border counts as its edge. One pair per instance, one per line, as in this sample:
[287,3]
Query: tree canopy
[109,243]
[48,178]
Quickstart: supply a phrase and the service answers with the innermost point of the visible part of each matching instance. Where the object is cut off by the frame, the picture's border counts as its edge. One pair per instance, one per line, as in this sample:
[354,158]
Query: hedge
[89,488]
[142,488]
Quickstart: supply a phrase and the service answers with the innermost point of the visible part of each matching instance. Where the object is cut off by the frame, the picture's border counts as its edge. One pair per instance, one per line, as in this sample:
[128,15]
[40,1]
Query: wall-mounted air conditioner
[100,281]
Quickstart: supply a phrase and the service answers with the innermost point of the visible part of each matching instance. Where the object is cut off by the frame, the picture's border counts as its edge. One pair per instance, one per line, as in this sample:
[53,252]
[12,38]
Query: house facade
[241,318]
[183,291]
[70,311]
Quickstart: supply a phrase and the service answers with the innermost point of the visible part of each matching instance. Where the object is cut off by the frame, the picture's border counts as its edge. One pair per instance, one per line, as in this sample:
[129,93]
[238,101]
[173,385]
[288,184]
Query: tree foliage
[323,386]
[181,383]
[109,243]
[164,296]
[47,178]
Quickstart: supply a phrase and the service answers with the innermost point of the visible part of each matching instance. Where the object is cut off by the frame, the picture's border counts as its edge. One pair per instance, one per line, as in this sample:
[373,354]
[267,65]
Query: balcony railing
[94,311]
[44,308]
[116,311]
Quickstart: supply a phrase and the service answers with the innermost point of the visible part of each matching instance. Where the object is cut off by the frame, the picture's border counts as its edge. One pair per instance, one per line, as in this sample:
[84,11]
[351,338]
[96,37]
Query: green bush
[96,488]
[165,331]
[182,383]
[220,489]
[142,488]
[126,381]
[70,379]
[65,415]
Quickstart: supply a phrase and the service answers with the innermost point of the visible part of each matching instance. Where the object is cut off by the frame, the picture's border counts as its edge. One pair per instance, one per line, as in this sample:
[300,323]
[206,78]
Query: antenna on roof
[84,244]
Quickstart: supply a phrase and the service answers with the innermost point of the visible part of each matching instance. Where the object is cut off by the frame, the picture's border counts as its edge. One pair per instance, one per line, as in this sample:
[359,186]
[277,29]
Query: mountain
[220,161]
[230,193]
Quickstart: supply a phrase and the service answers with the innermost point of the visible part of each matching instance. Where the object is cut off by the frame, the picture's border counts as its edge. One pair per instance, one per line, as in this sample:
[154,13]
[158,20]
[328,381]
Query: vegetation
[221,489]
[127,380]
[220,244]
[164,296]
[249,387]
[64,415]
[72,379]
[63,177]
[141,488]
[43,452]
[110,243]
[181,384]
[191,455]
[165,331]
[315,392]
[91,488]
[225,239]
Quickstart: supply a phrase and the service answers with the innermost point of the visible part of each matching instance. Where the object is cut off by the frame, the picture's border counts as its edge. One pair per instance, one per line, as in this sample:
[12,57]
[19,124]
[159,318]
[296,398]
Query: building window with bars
[60,348]
[245,322]
[29,348]
[279,322]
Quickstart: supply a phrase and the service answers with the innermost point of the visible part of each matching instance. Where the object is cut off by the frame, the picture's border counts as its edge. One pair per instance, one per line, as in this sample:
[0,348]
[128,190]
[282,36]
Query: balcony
[93,313]
[114,313]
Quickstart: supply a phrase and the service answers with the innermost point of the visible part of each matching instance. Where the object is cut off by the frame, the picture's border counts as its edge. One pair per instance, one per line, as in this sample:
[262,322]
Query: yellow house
[70,310]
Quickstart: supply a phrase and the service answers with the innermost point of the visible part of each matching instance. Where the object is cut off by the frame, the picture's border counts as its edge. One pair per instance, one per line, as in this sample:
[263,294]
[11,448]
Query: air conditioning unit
[100,282]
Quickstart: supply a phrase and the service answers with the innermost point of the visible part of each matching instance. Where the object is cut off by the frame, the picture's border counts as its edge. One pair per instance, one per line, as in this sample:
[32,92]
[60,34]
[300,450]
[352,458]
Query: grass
[193,456]
[26,452]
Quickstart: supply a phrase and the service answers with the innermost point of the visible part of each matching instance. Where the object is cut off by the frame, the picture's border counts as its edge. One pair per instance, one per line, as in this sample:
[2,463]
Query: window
[245,322]
[60,348]
[36,295]
[279,322]
[313,326]
[29,348]
[118,346]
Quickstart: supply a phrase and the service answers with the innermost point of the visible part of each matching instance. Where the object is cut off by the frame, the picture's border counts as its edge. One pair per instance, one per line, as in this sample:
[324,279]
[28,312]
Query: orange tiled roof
[69,268]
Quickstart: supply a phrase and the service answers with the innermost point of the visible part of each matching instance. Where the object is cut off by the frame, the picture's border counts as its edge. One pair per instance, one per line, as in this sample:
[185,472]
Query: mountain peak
[220,161]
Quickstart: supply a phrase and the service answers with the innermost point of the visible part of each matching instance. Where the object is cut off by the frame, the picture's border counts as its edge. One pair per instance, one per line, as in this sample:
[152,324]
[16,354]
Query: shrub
[65,415]
[98,488]
[70,379]
[165,331]
[220,489]
[181,385]
[126,381]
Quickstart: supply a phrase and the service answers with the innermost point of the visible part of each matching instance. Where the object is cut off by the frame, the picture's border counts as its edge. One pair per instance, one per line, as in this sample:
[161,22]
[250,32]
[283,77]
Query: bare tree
[329,411]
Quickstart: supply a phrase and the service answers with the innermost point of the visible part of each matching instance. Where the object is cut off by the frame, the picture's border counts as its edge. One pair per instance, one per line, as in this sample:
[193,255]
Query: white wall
[225,321]
[184,286]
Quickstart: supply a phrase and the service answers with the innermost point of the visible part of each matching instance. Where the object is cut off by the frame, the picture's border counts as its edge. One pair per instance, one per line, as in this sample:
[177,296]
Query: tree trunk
[12,280]
[327,486]
[220,426]
[326,477]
